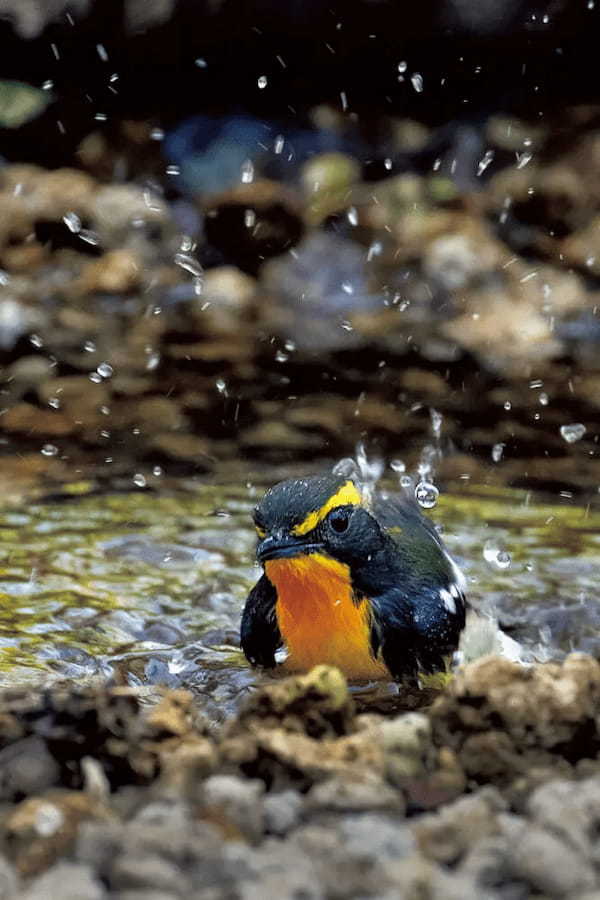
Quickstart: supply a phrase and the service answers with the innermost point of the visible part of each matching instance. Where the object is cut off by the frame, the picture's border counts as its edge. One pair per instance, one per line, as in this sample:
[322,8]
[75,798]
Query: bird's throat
[319,617]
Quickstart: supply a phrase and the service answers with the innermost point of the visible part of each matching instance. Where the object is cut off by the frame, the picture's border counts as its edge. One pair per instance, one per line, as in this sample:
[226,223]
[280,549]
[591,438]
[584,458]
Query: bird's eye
[339,519]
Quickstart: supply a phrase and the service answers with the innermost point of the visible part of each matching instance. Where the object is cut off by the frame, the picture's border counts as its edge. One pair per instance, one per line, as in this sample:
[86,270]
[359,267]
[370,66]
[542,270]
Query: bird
[352,578]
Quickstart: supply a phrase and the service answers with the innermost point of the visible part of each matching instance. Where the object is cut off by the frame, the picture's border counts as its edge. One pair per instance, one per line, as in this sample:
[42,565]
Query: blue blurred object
[210,152]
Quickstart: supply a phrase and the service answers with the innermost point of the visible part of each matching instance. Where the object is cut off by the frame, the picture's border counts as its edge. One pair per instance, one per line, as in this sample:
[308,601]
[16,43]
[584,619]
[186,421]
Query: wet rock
[317,704]
[369,793]
[116,207]
[66,881]
[9,882]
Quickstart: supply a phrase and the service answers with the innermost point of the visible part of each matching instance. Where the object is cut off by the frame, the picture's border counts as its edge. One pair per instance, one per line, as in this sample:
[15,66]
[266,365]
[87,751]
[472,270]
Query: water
[147,588]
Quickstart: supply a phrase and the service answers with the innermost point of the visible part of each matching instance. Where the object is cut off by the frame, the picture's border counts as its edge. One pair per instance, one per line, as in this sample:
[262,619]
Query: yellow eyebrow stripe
[348,494]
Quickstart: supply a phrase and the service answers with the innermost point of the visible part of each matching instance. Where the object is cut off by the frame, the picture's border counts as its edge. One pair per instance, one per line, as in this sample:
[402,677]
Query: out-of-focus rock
[67,880]
[30,17]
[316,292]
[116,272]
[25,418]
[327,180]
[226,300]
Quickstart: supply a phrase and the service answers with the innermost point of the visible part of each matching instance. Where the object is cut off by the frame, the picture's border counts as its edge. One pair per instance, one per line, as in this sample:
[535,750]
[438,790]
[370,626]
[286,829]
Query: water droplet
[572,433]
[544,399]
[402,66]
[406,481]
[249,218]
[49,450]
[173,170]
[104,369]
[139,480]
[95,377]
[352,215]
[347,468]
[347,326]
[507,405]
[497,451]
[387,164]
[523,159]
[36,340]
[281,357]
[416,79]
[221,385]
[201,63]
[157,134]
[262,82]
[189,263]
[101,50]
[152,362]
[89,347]
[54,402]
[398,466]
[279,144]
[484,162]
[157,471]
[247,173]
[347,287]
[436,422]
[73,222]
[495,555]
[426,494]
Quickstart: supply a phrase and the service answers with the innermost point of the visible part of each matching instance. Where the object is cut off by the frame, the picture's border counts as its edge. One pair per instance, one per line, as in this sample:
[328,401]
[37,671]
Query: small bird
[358,582]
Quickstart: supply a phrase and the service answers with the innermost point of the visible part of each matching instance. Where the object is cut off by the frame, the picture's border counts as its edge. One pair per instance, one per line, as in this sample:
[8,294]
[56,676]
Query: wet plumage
[368,587]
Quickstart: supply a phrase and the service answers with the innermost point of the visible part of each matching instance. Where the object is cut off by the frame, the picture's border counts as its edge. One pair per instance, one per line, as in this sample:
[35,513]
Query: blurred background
[235,233]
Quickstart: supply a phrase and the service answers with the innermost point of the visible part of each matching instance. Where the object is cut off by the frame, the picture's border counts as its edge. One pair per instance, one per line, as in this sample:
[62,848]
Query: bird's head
[319,515]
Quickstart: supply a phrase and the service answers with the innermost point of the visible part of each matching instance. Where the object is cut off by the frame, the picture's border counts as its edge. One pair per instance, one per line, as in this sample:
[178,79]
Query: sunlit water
[147,588]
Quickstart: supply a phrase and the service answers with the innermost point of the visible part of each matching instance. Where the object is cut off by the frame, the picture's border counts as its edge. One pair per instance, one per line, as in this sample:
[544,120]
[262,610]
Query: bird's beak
[280,545]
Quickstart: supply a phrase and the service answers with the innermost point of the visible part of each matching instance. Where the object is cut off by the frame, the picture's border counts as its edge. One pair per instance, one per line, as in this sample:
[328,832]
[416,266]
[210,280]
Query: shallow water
[147,588]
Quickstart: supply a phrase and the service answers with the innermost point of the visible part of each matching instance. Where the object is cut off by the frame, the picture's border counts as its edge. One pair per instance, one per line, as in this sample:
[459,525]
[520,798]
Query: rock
[182,447]
[235,805]
[42,827]
[282,812]
[327,180]
[447,835]
[26,767]
[65,881]
[407,746]
[370,793]
[550,866]
[115,207]
[507,713]
[571,811]
[317,291]
[144,872]
[25,418]
[317,704]
[115,272]
[229,294]
[278,437]
[9,882]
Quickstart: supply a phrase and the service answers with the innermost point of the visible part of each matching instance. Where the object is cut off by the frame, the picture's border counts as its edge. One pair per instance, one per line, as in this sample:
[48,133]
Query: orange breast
[318,618]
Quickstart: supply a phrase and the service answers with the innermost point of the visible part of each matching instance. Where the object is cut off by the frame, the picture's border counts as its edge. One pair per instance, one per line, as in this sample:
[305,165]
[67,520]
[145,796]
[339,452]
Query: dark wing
[416,630]
[260,637]
[417,620]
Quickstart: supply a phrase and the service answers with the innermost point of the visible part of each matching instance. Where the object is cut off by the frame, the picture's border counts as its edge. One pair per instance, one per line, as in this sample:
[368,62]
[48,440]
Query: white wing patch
[448,600]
